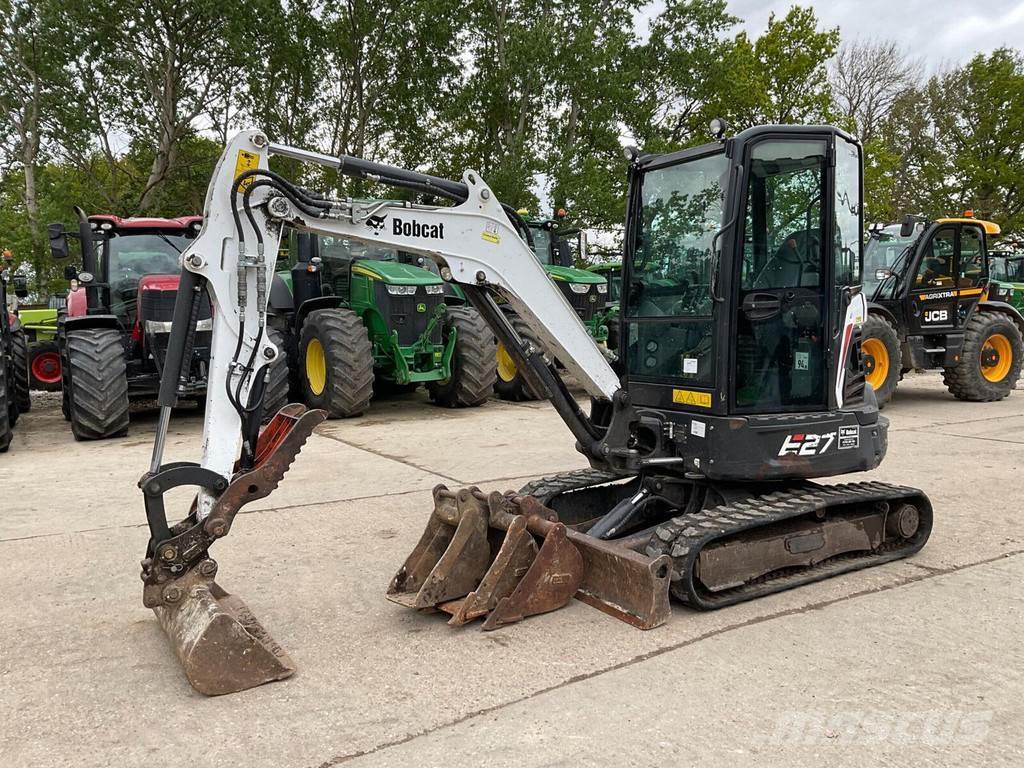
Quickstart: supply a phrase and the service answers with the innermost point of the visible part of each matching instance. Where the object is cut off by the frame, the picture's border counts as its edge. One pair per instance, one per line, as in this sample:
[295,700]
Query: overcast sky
[937,31]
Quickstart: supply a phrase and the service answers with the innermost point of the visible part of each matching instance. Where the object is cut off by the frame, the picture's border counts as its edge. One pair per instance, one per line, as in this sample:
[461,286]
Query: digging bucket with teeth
[503,557]
[222,646]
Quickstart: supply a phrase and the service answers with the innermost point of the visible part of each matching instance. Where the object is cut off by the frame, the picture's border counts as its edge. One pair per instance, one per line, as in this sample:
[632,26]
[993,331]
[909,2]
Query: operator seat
[796,263]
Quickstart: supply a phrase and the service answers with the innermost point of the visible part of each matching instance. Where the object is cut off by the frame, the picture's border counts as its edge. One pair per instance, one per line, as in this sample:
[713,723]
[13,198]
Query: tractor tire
[336,363]
[990,360]
[97,376]
[883,359]
[509,383]
[6,406]
[275,395]
[44,366]
[474,362]
[22,392]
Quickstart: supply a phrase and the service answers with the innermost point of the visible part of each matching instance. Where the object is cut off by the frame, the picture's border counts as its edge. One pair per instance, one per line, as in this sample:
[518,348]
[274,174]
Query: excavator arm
[475,243]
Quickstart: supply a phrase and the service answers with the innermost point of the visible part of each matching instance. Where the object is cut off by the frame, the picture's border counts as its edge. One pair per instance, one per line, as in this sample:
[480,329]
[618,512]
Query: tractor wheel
[473,362]
[98,383]
[6,427]
[880,347]
[22,393]
[509,383]
[44,366]
[275,396]
[990,360]
[336,362]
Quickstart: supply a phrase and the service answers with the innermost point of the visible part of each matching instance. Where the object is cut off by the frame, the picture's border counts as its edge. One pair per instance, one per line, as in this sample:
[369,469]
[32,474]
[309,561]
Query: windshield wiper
[167,240]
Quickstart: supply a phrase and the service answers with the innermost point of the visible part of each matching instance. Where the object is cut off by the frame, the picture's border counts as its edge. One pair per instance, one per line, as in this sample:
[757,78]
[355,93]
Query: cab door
[933,291]
[782,311]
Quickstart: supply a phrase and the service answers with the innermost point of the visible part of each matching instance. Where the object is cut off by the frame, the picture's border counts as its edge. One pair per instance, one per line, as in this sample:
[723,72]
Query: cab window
[972,257]
[936,267]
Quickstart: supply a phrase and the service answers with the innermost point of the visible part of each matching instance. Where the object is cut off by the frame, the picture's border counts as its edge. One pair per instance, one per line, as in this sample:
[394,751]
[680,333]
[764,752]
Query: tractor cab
[929,294]
[1006,271]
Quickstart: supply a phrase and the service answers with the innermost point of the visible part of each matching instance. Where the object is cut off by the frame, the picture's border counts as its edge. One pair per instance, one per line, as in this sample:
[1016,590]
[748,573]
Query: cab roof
[181,222]
[991,228]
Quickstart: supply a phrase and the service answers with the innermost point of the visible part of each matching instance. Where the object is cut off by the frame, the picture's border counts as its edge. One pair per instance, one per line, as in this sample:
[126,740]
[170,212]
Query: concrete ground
[917,663]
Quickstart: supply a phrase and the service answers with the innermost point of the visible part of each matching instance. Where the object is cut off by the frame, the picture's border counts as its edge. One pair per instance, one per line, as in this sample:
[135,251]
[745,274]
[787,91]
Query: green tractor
[612,273]
[14,392]
[359,320]
[40,324]
[556,248]
[1006,270]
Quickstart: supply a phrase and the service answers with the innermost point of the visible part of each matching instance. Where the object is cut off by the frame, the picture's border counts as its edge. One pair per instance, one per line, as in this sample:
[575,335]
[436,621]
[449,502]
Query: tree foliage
[122,106]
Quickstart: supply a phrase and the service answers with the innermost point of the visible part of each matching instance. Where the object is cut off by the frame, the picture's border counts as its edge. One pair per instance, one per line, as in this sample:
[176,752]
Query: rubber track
[474,365]
[99,383]
[546,488]
[275,396]
[22,390]
[683,537]
[349,356]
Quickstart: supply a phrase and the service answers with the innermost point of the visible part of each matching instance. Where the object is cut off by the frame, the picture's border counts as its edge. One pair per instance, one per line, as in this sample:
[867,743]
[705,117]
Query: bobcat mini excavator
[738,379]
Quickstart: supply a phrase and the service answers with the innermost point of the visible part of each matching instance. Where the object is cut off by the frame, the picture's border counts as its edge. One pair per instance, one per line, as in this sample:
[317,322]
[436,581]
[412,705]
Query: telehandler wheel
[473,363]
[22,392]
[336,362]
[275,396]
[44,366]
[990,361]
[98,383]
[6,406]
[509,384]
[880,347]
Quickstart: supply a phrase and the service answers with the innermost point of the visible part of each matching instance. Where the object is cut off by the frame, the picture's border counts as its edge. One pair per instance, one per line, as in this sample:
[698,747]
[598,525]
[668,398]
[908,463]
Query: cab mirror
[20,286]
[907,226]
[58,241]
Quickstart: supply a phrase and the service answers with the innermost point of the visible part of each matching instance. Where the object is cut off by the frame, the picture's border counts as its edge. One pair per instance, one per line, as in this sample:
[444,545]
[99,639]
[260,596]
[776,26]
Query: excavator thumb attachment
[222,646]
[506,557]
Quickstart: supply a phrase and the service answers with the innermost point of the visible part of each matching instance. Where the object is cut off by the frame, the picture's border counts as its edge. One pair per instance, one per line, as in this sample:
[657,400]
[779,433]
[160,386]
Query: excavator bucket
[506,557]
[222,646]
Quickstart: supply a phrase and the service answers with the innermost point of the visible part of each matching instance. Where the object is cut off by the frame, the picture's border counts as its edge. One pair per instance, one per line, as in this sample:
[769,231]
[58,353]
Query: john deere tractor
[1006,268]
[113,339]
[14,394]
[587,292]
[932,304]
[611,271]
[359,320]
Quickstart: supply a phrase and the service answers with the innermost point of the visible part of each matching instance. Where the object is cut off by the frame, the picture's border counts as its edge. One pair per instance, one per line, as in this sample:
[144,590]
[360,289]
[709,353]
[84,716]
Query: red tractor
[113,339]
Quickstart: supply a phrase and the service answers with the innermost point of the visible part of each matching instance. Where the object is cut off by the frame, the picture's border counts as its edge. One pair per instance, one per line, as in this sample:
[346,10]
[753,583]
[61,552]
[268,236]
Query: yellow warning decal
[689,397]
[490,234]
[246,162]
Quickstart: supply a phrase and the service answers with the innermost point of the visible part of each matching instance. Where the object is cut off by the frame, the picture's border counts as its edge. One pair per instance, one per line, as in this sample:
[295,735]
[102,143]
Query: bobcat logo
[376,223]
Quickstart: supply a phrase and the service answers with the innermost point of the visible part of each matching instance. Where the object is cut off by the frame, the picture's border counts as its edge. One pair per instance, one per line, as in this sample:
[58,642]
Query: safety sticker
[689,397]
[689,365]
[246,161]
[697,428]
[849,437]
[490,234]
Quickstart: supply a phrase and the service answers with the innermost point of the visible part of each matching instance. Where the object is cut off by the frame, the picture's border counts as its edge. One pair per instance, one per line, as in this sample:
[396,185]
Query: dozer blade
[465,567]
[223,648]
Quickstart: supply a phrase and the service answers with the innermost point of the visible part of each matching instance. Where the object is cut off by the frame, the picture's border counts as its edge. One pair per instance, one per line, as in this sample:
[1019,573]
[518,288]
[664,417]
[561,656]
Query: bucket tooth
[452,555]
[549,583]
[222,646]
[517,552]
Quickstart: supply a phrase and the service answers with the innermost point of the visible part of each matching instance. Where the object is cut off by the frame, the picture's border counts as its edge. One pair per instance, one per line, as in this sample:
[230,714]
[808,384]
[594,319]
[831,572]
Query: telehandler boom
[738,378]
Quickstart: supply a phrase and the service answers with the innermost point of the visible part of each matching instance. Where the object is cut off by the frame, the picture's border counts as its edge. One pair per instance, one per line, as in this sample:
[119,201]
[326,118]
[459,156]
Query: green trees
[122,106]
